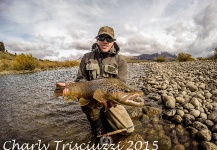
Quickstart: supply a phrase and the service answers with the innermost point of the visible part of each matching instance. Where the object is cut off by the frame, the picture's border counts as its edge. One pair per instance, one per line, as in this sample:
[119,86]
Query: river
[29,112]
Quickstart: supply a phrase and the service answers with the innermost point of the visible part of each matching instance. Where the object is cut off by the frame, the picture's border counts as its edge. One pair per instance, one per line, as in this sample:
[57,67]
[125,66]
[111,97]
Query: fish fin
[99,96]
[83,102]
[69,97]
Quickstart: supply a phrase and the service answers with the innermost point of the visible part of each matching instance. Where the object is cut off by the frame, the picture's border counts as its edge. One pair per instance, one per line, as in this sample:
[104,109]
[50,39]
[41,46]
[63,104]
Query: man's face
[105,42]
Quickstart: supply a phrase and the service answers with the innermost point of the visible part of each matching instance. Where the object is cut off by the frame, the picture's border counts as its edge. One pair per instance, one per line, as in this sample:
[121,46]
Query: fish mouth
[134,100]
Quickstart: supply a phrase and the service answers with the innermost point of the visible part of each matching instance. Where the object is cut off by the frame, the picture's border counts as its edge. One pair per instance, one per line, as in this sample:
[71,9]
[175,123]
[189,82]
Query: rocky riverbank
[185,95]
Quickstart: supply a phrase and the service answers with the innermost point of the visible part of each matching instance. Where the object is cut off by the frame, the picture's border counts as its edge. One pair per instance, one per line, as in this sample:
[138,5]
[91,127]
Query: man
[103,62]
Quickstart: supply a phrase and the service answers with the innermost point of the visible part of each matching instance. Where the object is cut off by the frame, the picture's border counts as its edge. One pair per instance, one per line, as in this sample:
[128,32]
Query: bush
[185,57]
[25,62]
[200,58]
[161,59]
[215,54]
[5,64]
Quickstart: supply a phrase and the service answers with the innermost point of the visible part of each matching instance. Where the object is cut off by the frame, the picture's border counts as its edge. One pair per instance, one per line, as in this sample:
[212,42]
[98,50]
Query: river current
[29,112]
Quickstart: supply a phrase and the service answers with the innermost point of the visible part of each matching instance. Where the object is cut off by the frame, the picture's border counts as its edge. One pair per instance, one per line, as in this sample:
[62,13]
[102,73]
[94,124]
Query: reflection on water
[29,112]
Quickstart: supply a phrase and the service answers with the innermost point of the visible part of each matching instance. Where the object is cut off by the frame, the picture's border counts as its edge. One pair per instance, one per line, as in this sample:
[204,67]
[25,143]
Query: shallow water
[29,112]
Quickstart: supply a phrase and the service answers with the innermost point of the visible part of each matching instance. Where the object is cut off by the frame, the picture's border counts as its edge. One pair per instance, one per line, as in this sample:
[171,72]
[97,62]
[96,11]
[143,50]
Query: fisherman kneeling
[104,62]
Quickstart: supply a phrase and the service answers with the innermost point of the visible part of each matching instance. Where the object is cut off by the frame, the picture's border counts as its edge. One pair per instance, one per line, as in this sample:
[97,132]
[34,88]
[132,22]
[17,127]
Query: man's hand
[62,86]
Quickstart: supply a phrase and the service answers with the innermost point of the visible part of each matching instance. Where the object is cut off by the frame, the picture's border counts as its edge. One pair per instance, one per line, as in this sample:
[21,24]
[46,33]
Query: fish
[103,90]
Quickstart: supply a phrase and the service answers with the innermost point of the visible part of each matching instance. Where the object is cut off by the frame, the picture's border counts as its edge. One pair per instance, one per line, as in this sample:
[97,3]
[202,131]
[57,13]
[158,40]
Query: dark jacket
[96,64]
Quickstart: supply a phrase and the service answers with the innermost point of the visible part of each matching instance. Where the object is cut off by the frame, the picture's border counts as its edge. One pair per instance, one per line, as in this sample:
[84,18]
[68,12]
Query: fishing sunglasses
[104,37]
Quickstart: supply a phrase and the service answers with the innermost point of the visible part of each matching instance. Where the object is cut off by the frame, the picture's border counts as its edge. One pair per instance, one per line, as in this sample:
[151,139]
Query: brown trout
[103,90]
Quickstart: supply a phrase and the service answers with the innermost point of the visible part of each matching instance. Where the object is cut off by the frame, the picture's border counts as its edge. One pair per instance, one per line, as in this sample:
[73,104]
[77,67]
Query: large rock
[207,146]
[214,128]
[213,116]
[195,102]
[169,101]
[191,86]
[195,113]
[180,100]
[152,111]
[204,135]
[199,126]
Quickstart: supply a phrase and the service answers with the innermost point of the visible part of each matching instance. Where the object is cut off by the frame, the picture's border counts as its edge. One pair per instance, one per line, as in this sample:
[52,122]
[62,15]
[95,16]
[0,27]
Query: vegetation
[26,62]
[215,54]
[201,58]
[2,47]
[184,57]
[161,59]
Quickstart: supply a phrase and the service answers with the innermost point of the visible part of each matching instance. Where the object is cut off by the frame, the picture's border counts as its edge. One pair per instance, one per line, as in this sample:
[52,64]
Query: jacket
[96,64]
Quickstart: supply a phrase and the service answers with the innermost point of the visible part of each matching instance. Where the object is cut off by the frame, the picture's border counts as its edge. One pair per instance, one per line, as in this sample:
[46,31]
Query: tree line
[188,57]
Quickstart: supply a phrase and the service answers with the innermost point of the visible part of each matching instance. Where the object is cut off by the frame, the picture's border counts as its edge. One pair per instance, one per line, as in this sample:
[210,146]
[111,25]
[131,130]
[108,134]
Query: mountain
[154,56]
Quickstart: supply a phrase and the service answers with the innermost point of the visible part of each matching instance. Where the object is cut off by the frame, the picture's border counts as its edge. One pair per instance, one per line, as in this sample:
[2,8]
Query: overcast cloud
[65,29]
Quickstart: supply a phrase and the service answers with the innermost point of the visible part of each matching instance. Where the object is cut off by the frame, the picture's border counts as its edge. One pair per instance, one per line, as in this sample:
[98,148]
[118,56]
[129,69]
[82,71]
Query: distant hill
[154,56]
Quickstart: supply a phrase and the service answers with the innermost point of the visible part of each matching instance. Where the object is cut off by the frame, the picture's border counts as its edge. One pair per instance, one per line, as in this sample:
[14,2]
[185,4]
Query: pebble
[195,113]
[169,101]
[199,126]
[188,93]
[204,135]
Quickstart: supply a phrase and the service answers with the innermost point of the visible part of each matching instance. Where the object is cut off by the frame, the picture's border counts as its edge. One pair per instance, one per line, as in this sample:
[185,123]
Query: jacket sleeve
[122,69]
[82,73]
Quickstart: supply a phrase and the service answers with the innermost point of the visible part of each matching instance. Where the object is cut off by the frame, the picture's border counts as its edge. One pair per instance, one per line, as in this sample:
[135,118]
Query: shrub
[215,54]
[185,57]
[161,59]
[5,64]
[200,58]
[25,62]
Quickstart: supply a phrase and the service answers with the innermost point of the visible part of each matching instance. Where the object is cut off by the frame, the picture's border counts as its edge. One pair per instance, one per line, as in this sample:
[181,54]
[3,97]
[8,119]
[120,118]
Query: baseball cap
[106,30]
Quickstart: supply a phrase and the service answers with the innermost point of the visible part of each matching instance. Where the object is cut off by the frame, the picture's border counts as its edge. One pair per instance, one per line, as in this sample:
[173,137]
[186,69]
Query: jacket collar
[113,51]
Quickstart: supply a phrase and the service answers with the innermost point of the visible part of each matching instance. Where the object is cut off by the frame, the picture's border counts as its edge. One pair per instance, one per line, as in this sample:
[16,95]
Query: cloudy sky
[65,29]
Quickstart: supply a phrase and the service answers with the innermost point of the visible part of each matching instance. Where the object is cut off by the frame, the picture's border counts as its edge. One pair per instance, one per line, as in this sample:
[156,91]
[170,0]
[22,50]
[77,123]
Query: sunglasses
[107,38]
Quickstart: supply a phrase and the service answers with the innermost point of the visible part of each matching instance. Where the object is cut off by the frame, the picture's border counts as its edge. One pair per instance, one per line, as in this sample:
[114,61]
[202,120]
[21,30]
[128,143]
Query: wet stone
[145,118]
[180,130]
[213,116]
[191,86]
[169,101]
[165,143]
[195,113]
[155,120]
[180,112]
[180,100]
[203,115]
[214,136]
[189,106]
[195,102]
[209,124]
[207,146]
[188,119]
[152,111]
[204,135]
[158,127]
[192,131]
[178,147]
[170,112]
[168,127]
[177,119]
[199,126]
[183,139]
[214,128]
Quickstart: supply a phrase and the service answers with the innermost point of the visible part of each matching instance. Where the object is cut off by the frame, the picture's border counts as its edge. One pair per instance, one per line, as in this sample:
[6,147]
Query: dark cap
[106,30]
